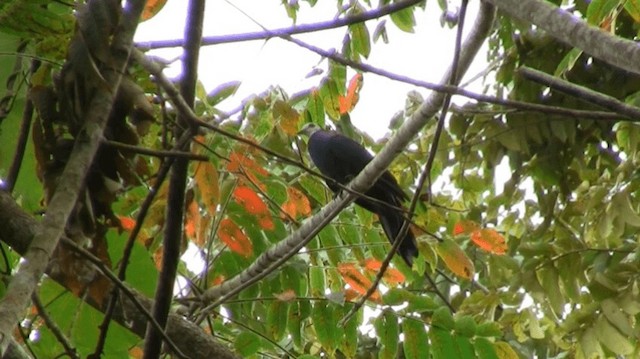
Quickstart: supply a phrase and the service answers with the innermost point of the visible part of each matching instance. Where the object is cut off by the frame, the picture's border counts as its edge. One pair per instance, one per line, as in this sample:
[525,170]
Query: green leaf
[463,347]
[387,330]
[442,343]
[612,339]
[222,92]
[404,19]
[294,323]
[277,319]
[247,343]
[484,349]
[590,345]
[416,342]
[316,281]
[325,327]
[567,62]
[314,110]
[349,335]
[489,329]
[466,326]
[330,94]
[598,10]
[442,318]
[360,40]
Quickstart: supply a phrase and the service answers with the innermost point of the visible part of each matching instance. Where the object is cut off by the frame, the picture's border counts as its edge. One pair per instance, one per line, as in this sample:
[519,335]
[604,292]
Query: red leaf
[127,223]
[250,200]
[356,280]
[234,238]
[489,240]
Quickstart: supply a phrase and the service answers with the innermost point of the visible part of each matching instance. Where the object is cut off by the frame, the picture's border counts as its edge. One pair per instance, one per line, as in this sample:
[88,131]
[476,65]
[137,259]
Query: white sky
[423,55]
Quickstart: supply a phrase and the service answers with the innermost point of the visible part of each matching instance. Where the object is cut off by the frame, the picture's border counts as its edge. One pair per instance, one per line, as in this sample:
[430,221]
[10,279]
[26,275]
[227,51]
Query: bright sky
[423,55]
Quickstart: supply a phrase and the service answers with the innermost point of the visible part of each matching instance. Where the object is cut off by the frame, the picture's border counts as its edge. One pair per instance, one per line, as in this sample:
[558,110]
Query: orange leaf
[203,230]
[455,258]
[218,280]
[489,240]
[348,102]
[234,238]
[206,180]
[192,220]
[136,352]
[151,8]
[127,223]
[356,280]
[392,276]
[297,204]
[157,258]
[241,164]
[286,296]
[250,200]
[464,227]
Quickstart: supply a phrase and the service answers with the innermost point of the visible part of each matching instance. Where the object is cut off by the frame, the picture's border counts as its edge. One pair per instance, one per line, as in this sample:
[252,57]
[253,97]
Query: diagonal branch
[46,239]
[18,229]
[574,31]
[276,256]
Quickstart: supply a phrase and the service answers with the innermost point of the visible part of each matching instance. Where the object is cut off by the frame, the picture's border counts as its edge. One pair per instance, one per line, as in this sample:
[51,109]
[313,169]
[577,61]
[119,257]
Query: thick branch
[46,239]
[18,229]
[571,30]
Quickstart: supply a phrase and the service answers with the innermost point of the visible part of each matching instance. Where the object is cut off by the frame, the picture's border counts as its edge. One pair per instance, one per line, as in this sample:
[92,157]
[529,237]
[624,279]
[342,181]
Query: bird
[341,159]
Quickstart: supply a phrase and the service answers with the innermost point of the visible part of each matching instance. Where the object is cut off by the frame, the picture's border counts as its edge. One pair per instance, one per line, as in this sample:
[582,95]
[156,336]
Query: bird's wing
[351,158]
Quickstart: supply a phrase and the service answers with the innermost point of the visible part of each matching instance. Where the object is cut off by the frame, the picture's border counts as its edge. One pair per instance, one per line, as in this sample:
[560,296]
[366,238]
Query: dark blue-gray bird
[341,159]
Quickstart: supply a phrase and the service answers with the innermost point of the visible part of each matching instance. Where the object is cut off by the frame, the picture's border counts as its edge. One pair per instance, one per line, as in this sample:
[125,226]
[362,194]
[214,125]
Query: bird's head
[309,129]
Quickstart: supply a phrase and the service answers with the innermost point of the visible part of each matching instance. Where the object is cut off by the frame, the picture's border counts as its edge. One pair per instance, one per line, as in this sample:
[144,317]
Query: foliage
[532,241]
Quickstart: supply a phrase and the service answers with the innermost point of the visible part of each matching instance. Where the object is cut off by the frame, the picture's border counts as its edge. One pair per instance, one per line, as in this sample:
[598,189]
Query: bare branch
[298,29]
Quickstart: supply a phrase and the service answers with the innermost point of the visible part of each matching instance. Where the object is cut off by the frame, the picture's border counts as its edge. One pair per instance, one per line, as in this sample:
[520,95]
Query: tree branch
[177,186]
[18,230]
[298,29]
[64,199]
[575,32]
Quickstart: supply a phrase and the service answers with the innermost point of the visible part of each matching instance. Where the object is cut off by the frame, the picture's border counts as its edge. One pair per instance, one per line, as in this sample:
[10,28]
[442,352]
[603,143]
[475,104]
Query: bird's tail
[392,221]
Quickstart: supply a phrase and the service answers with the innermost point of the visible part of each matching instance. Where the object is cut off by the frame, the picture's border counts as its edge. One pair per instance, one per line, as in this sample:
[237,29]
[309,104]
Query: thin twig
[120,285]
[53,327]
[23,137]
[156,153]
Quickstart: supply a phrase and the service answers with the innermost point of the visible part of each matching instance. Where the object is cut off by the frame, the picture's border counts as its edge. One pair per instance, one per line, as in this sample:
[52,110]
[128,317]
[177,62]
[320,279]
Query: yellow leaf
[455,258]
[489,240]
[206,179]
